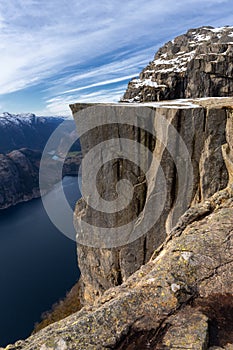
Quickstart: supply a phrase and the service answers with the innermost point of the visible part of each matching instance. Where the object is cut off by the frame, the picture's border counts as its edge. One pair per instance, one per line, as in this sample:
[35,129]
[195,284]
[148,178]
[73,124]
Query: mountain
[156,273]
[19,174]
[25,130]
[30,131]
[196,64]
[22,141]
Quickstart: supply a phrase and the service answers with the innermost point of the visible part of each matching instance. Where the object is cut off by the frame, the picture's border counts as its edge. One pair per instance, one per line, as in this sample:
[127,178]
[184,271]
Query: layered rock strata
[195,64]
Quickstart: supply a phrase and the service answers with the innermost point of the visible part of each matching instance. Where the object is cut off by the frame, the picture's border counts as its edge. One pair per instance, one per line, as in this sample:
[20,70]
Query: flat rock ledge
[181,299]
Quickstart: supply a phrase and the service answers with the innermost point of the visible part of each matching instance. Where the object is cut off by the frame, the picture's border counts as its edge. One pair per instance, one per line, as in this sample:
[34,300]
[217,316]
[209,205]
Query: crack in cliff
[143,339]
[215,271]
[194,214]
[205,116]
[119,277]
[144,250]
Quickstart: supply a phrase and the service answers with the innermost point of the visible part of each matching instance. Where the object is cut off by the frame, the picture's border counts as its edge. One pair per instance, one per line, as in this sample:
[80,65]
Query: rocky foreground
[181,299]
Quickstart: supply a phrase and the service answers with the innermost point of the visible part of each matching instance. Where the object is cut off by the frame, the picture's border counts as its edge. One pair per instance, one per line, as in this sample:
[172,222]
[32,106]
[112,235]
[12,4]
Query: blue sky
[56,52]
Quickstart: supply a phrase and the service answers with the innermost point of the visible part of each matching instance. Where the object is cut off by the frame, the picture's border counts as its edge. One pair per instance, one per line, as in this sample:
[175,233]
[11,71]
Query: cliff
[154,226]
[195,64]
[182,297]
[185,139]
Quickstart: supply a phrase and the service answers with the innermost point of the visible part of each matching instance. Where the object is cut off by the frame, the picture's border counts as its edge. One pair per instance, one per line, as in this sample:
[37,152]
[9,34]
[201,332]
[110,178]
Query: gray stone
[196,64]
[203,128]
[146,311]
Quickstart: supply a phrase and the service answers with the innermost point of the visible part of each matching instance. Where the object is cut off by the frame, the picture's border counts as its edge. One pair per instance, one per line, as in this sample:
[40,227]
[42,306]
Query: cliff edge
[184,166]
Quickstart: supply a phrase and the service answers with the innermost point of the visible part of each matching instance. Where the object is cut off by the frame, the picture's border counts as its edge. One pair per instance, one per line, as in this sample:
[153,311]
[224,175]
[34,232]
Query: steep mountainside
[182,298]
[19,175]
[22,141]
[156,268]
[196,64]
[202,126]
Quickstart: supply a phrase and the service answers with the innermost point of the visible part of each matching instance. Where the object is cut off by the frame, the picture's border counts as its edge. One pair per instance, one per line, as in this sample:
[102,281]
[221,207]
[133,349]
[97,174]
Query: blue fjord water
[38,264]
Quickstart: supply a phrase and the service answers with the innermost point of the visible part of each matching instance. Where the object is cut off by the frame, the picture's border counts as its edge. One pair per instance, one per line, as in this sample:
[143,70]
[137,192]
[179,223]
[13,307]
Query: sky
[56,52]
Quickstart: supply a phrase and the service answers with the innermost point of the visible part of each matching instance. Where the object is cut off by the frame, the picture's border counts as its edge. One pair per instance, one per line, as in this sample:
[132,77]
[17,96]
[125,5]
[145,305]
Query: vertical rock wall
[203,131]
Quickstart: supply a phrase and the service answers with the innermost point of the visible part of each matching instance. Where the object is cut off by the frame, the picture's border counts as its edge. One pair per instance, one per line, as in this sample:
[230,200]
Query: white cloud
[101,83]
[117,67]
[60,105]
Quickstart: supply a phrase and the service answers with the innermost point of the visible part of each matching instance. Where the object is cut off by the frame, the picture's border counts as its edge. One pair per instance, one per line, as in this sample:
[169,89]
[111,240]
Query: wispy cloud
[76,46]
[59,105]
[101,83]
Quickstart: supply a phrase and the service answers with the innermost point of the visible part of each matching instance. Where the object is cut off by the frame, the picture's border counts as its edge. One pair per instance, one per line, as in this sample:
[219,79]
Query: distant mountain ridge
[19,175]
[196,64]
[22,141]
[26,130]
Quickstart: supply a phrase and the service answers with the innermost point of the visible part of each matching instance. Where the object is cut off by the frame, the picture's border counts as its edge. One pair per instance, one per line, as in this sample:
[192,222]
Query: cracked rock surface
[205,126]
[195,64]
[181,295]
[181,299]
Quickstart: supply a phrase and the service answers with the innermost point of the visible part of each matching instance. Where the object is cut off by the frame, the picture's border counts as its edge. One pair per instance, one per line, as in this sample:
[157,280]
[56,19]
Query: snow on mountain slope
[196,64]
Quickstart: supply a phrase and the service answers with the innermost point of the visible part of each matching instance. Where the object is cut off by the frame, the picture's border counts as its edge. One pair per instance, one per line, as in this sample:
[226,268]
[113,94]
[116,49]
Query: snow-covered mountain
[196,64]
[26,130]
[22,140]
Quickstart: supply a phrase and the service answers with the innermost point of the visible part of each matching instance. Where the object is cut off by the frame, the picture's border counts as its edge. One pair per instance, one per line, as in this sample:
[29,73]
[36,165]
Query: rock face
[182,296]
[196,64]
[181,299]
[203,126]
